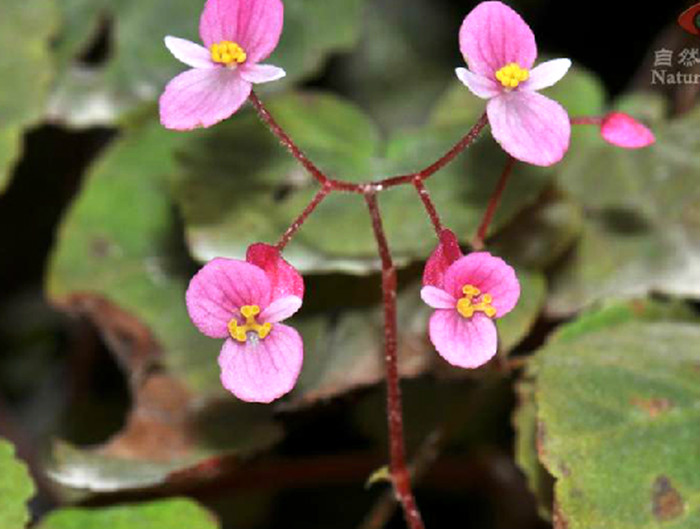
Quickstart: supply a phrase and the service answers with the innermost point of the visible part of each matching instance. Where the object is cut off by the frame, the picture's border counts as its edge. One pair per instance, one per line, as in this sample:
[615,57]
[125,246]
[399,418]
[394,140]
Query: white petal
[281,309]
[437,298]
[478,85]
[190,53]
[547,74]
[262,73]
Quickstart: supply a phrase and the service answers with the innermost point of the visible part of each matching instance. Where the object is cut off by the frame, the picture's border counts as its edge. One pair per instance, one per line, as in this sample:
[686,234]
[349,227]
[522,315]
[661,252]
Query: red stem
[399,470]
[397,453]
[446,158]
[286,140]
[478,241]
[587,120]
[362,188]
[315,201]
[428,203]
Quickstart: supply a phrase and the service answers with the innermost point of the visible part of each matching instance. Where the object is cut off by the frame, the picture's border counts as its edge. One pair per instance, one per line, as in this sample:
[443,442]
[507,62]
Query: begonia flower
[500,50]
[244,303]
[237,35]
[623,130]
[468,292]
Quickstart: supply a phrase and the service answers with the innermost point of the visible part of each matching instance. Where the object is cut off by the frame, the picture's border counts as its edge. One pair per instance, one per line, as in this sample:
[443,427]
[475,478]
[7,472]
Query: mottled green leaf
[16,488]
[524,422]
[25,69]
[642,219]
[527,443]
[161,514]
[618,421]
[138,65]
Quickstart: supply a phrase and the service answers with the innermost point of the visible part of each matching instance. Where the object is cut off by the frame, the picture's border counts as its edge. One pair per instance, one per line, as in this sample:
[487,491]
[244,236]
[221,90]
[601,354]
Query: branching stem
[399,470]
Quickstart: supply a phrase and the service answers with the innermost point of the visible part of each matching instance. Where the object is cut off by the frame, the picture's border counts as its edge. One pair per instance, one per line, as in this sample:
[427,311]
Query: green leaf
[345,352]
[524,422]
[541,234]
[26,71]
[527,444]
[380,73]
[16,488]
[138,65]
[161,514]
[618,421]
[517,324]
[240,186]
[119,257]
[119,240]
[642,222]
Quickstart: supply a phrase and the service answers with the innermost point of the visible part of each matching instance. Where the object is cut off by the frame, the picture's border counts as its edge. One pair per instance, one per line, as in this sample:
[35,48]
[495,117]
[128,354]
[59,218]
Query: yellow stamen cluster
[466,306]
[511,75]
[240,332]
[228,53]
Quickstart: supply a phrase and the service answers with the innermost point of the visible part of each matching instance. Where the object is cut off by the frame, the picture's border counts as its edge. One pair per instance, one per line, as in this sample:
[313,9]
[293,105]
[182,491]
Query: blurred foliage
[16,488]
[26,71]
[606,415]
[163,514]
[642,219]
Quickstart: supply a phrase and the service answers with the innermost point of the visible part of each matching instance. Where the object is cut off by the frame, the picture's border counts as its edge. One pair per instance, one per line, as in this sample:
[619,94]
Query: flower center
[240,332]
[467,307]
[227,53]
[511,75]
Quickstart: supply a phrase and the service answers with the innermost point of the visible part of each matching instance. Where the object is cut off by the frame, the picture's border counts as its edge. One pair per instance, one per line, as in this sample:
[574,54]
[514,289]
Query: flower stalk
[397,452]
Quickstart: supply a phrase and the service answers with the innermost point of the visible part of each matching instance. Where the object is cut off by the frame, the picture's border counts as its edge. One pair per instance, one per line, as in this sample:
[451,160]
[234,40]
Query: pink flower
[244,302]
[624,131]
[238,34]
[468,293]
[500,50]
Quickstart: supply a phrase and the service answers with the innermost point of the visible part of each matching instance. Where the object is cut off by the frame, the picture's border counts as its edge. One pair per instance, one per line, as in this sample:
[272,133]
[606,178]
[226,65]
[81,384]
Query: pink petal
[437,298]
[219,21]
[446,253]
[494,35]
[262,370]
[463,342]
[219,289]
[190,53]
[254,24]
[261,73]
[490,274]
[625,131]
[547,74]
[284,278]
[482,87]
[530,127]
[281,309]
[201,98]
